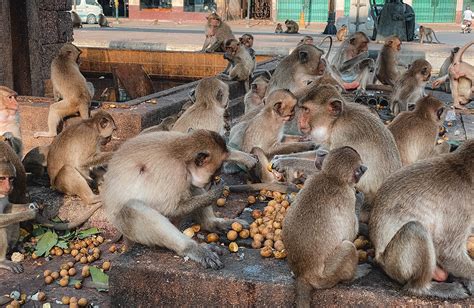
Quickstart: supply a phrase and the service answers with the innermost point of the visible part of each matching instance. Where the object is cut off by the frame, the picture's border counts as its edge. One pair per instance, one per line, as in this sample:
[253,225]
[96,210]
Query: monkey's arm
[193,203]
[214,46]
[291,164]
[291,147]
[439,81]
[98,159]
[302,155]
[243,158]
[14,218]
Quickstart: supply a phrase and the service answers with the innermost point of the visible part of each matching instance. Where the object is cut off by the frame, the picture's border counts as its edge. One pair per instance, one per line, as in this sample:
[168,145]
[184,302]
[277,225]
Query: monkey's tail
[330,45]
[436,37]
[303,293]
[458,56]
[70,225]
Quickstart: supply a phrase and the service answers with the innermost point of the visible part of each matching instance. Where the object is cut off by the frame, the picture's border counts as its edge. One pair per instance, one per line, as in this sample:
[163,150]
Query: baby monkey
[279,28]
[325,207]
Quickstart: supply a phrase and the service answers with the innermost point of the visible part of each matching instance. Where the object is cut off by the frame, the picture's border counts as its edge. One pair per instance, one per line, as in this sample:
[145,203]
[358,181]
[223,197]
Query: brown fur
[427,33]
[165,125]
[241,63]
[444,70]
[387,61]
[421,219]
[253,99]
[411,86]
[18,195]
[70,85]
[217,32]
[306,40]
[279,28]
[76,20]
[416,131]
[164,167]
[342,33]
[36,160]
[329,120]
[325,208]
[291,26]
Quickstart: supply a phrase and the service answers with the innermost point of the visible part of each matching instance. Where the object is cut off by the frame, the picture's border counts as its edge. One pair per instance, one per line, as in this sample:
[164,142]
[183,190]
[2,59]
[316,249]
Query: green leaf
[100,279]
[62,244]
[46,242]
[38,230]
[74,281]
[88,232]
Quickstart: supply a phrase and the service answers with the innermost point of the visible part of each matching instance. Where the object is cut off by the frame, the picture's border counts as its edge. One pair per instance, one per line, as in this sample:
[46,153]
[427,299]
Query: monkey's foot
[44,134]
[439,274]
[11,266]
[445,290]
[205,256]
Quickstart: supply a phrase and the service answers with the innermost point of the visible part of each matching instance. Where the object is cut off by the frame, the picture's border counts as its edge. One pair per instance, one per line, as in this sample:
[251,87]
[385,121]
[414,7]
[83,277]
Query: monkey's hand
[204,255]
[294,166]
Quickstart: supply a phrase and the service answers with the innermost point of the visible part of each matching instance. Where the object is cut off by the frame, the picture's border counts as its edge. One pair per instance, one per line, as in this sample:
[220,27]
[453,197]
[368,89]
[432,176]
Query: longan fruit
[64,282]
[63,273]
[271,203]
[212,238]
[55,275]
[70,264]
[90,259]
[72,271]
[233,247]
[106,265]
[112,248]
[244,233]
[52,252]
[74,305]
[96,256]
[78,285]
[41,296]
[96,250]
[285,203]
[83,260]
[359,243]
[278,245]
[66,300]
[256,244]
[73,300]
[14,304]
[280,254]
[220,202]
[276,225]
[47,273]
[189,232]
[266,252]
[83,250]
[258,237]
[236,226]
[59,251]
[34,256]
[256,214]
[48,279]
[225,193]
[82,302]
[362,256]
[77,246]
[232,235]
[268,243]
[251,199]
[270,236]
[196,228]
[85,271]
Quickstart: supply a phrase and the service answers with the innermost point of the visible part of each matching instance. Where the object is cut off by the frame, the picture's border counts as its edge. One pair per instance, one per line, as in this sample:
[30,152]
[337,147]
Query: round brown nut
[78,285]
[244,233]
[90,259]
[41,296]
[196,228]
[268,243]
[66,300]
[280,254]
[362,256]
[258,237]
[100,239]
[278,245]
[236,226]
[251,199]
[256,214]
[64,282]
[47,273]
[55,275]
[63,273]
[82,302]
[73,299]
[113,248]
[256,244]
[220,202]
[233,247]
[72,271]
[225,193]
[48,279]
[189,232]
[71,264]
[65,266]
[106,265]
[212,238]
[232,235]
[34,256]
[266,252]
[59,251]
[74,305]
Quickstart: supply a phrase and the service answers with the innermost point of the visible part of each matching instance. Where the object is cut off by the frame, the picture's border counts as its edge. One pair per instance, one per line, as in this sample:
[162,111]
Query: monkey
[444,69]
[77,149]
[295,70]
[279,28]
[11,215]
[332,122]
[253,99]
[461,75]
[217,32]
[352,61]
[387,61]
[416,131]
[291,26]
[307,39]
[76,20]
[427,33]
[342,33]
[10,119]
[103,22]
[410,87]
[71,85]
[247,41]
[326,208]
[165,125]
[417,235]
[18,193]
[36,160]
[169,171]
[241,63]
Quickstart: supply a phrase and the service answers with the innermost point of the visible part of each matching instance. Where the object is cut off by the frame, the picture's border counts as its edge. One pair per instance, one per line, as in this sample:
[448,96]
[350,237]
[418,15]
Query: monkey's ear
[277,107]
[320,156]
[352,40]
[219,95]
[303,56]
[103,122]
[335,107]
[241,39]
[359,172]
[439,113]
[201,158]
[424,70]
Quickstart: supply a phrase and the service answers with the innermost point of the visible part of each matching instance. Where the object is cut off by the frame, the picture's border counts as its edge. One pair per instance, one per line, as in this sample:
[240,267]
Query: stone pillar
[177,5]
[459,11]
[358,15]
[409,2]
[339,8]
[274,11]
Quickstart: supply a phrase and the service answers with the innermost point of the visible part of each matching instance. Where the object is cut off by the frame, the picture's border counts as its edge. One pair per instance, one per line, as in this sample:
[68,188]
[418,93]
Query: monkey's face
[214,21]
[311,60]
[421,69]
[106,126]
[8,100]
[205,167]
[222,95]
[260,88]
[344,162]
[395,44]
[231,48]
[6,185]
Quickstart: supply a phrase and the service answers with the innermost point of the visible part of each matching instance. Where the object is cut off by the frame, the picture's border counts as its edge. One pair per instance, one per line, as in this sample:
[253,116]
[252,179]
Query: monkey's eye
[304,109]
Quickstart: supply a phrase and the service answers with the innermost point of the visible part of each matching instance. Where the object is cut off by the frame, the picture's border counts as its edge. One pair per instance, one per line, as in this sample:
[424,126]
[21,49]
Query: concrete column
[274,10]
[339,8]
[133,2]
[177,4]
[409,2]
[459,10]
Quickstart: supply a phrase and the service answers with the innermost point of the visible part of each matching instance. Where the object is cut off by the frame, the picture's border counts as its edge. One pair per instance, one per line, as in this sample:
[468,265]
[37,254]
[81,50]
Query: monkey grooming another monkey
[217,32]
[70,85]
[10,119]
[241,63]
[75,151]
[76,20]
[387,61]
[325,208]
[279,28]
[410,87]
[10,216]
[155,177]
[291,26]
[427,33]
[420,223]
[342,33]
[416,131]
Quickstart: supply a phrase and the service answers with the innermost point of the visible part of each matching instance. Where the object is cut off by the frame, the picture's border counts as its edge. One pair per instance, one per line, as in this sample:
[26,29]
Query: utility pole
[248,13]
[116,11]
[331,27]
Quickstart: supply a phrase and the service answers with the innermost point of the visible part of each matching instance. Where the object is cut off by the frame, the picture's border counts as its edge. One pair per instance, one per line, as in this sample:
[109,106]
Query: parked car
[88,10]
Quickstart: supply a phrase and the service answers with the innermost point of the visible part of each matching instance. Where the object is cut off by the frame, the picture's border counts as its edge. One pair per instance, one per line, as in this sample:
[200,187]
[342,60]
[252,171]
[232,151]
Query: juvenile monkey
[416,131]
[410,87]
[247,41]
[10,216]
[387,61]
[165,125]
[70,85]
[342,33]
[169,171]
[417,235]
[76,20]
[254,98]
[10,119]
[241,63]
[427,33]
[307,39]
[325,207]
[279,28]
[18,193]
[291,26]
[217,32]
[77,149]
[103,22]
